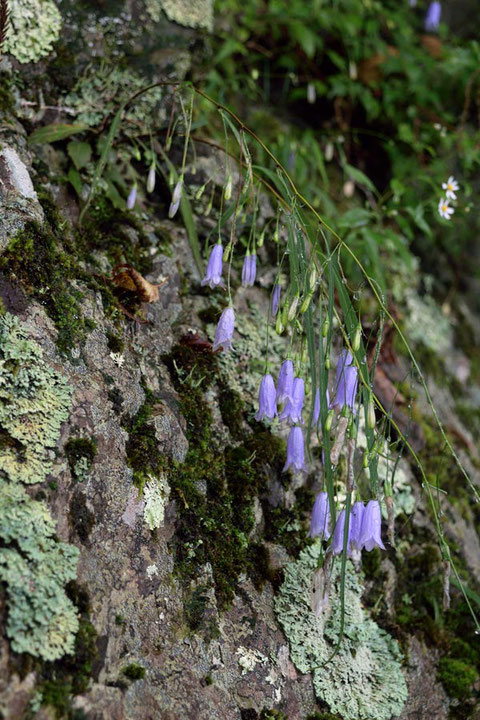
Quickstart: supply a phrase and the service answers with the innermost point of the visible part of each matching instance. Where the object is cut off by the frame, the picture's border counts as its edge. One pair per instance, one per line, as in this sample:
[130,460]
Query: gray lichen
[363,681]
[34,27]
[34,565]
[198,13]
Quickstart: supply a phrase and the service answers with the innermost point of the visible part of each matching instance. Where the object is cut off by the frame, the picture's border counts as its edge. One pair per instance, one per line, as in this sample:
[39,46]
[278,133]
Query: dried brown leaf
[127,278]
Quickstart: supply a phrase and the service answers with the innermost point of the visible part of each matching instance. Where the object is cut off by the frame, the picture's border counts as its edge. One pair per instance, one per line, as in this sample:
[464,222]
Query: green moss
[456,677]
[81,454]
[232,409]
[115,343]
[7,100]
[134,671]
[36,259]
[143,455]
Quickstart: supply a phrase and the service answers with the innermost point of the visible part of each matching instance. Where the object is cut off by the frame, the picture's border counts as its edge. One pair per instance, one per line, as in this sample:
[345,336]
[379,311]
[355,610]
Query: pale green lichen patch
[34,401]
[363,681]
[34,27]
[155,495]
[35,567]
[196,13]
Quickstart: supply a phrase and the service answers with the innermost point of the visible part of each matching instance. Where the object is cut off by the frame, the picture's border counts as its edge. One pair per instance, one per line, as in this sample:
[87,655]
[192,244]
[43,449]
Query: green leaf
[359,177]
[75,180]
[55,132]
[80,152]
[355,218]
[306,37]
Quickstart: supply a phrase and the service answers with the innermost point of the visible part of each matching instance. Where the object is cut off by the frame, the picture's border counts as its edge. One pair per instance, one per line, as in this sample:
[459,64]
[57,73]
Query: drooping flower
[356,517]
[337,543]
[432,18]
[444,208]
[346,382]
[151,179]
[293,407]
[249,270]
[316,405]
[285,381]
[132,197]
[275,299]
[213,275]
[295,450]
[176,197]
[370,534]
[267,404]
[224,331]
[320,517]
[451,187]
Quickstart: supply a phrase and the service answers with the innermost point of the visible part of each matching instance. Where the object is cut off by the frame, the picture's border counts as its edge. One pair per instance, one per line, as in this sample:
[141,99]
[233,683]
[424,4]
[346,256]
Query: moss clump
[456,677]
[81,454]
[60,681]
[35,257]
[134,671]
[143,455]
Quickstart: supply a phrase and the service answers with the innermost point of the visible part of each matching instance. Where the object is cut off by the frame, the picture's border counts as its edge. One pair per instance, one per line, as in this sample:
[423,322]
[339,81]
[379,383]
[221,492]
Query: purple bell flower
[316,405]
[213,276]
[320,517]
[346,382]
[267,404]
[275,299]
[295,450]
[432,18]
[249,270]
[356,517]
[132,197]
[370,534]
[285,381]
[224,331]
[176,197]
[337,543]
[293,407]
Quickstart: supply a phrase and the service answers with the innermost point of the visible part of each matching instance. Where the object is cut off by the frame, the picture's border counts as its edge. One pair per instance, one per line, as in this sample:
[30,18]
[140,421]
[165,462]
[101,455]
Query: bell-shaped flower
[432,18]
[293,407]
[151,179]
[370,534]
[346,382]
[285,381]
[213,275]
[295,450]
[356,517]
[176,197]
[275,299]
[320,521]
[267,403]
[316,405]
[337,543]
[249,270]
[224,331]
[132,197]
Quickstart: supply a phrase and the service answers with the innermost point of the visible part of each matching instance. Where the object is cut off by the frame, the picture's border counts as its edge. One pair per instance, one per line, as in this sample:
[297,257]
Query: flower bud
[329,150]
[325,327]
[329,420]
[371,420]
[275,235]
[366,459]
[279,326]
[312,281]
[200,191]
[311,93]
[304,306]
[327,363]
[357,338]
[208,209]
[227,194]
[151,179]
[261,239]
[292,311]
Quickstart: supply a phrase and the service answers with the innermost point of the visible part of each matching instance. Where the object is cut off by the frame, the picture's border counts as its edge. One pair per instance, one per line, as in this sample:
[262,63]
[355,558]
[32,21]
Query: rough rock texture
[173,496]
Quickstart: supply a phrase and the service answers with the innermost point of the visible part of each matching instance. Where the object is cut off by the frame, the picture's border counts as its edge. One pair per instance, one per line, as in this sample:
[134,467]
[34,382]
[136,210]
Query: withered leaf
[127,278]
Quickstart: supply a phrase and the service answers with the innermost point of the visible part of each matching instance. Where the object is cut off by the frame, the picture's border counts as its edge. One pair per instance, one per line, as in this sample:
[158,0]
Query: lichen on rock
[155,495]
[363,681]
[34,27]
[34,401]
[192,14]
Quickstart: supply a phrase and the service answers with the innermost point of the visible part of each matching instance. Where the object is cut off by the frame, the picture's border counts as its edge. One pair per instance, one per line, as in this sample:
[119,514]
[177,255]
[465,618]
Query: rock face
[171,546]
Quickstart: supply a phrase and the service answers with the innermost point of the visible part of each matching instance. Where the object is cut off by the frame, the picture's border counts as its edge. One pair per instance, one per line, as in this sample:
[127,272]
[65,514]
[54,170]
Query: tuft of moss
[134,671]
[457,677]
[80,453]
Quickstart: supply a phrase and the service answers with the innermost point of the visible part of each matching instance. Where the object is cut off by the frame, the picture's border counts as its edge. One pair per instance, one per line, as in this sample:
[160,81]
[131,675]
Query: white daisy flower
[451,186]
[444,209]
